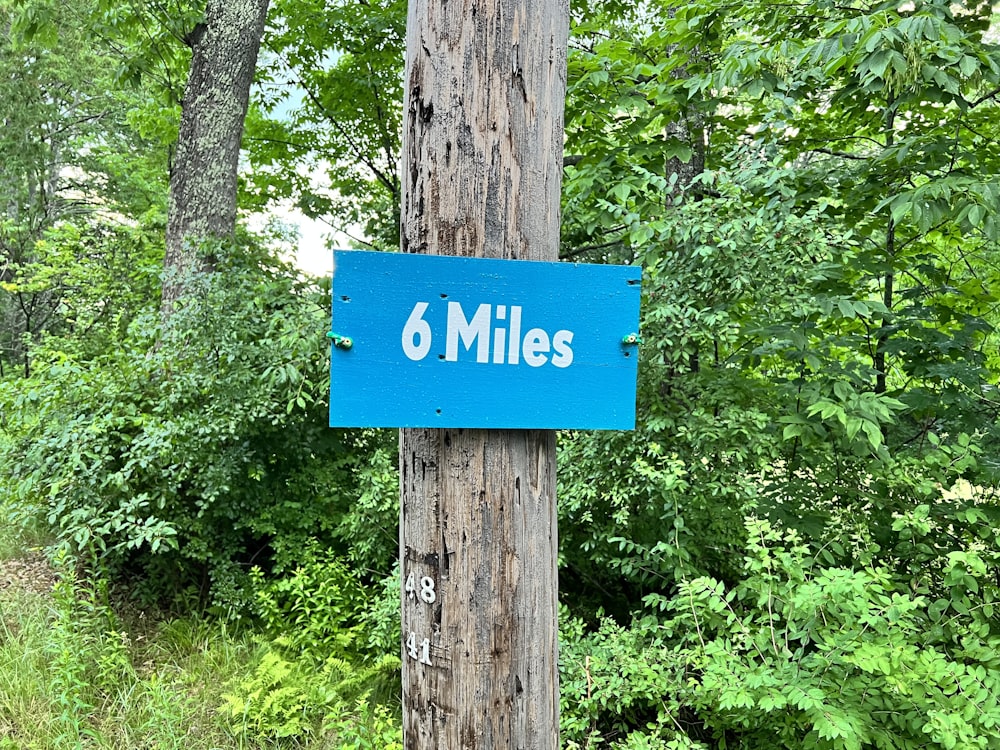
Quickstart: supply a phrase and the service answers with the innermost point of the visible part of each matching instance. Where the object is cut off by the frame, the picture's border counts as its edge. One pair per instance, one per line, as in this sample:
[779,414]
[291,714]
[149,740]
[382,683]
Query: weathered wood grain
[482,167]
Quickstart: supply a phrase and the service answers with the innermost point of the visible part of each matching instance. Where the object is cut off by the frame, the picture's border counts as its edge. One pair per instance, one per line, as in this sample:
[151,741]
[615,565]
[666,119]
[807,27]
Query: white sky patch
[314,250]
[311,248]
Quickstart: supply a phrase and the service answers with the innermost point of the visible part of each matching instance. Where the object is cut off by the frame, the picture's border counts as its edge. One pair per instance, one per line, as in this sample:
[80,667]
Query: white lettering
[417,328]
[563,356]
[500,337]
[410,587]
[536,346]
[477,330]
[499,345]
[514,353]
[421,651]
[427,592]
[494,335]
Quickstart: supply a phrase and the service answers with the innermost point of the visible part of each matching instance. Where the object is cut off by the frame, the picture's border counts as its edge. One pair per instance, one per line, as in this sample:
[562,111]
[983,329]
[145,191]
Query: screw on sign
[341,342]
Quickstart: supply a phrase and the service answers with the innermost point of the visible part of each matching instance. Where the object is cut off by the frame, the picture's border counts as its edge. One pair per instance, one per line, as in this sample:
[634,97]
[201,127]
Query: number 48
[426,591]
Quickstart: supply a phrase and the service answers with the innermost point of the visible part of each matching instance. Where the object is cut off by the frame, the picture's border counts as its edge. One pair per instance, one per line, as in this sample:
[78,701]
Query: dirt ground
[30,572]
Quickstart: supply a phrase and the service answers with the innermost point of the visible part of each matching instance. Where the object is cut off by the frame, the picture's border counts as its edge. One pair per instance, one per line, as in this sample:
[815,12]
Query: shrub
[197,449]
[314,610]
[797,654]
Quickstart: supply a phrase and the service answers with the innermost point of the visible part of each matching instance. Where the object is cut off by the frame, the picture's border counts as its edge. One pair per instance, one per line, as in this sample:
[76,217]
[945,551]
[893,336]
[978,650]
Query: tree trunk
[482,168]
[885,329]
[203,173]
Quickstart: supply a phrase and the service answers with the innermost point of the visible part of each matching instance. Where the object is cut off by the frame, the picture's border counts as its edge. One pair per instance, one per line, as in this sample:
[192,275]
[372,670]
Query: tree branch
[985,98]
[839,154]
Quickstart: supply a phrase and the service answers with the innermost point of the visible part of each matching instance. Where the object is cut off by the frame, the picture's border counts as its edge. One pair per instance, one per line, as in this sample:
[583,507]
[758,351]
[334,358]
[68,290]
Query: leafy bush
[797,654]
[319,669]
[314,610]
[368,530]
[840,658]
[367,727]
[617,686]
[197,449]
[295,699]
[381,619]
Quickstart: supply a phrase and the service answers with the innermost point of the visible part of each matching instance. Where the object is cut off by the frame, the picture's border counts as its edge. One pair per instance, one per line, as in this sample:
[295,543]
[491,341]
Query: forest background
[796,548]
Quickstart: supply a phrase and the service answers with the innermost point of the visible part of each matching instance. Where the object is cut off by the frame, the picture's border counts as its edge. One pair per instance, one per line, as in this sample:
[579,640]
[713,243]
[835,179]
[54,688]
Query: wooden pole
[482,167]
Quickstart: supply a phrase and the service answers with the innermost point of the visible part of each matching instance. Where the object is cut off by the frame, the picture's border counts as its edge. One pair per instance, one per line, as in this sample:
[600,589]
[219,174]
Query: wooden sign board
[435,341]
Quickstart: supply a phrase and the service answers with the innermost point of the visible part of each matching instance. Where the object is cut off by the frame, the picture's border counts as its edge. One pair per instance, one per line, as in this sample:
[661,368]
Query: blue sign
[436,341]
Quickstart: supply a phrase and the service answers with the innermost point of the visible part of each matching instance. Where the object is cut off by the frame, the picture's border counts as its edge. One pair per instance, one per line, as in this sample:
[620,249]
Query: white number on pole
[428,594]
[410,586]
[419,651]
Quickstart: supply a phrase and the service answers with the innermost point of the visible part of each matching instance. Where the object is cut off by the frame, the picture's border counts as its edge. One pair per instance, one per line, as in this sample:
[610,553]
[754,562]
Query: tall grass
[75,674]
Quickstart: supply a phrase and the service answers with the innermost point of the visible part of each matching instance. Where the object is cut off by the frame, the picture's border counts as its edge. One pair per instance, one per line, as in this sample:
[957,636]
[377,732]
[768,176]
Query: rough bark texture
[203,173]
[482,168]
[479,519]
[482,144]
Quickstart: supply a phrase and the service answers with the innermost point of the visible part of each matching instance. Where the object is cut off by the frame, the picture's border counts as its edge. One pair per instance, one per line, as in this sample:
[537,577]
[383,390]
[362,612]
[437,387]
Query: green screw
[632,338]
[341,342]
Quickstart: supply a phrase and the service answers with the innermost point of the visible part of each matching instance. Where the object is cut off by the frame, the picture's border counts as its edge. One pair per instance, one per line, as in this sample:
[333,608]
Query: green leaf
[968,65]
[873,432]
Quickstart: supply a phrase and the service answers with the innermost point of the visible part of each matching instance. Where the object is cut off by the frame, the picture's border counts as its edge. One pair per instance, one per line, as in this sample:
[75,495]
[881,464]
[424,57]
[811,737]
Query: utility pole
[482,167]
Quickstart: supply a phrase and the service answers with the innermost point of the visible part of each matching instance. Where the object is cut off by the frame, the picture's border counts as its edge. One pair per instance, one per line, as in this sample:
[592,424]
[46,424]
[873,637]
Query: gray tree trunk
[203,173]
[482,168]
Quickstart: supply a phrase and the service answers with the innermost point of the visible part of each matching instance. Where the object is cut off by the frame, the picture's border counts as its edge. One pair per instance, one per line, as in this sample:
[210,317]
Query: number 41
[422,651]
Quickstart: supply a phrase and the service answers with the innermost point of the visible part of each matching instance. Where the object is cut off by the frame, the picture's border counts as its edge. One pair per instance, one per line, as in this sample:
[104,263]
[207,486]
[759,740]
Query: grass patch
[24,630]
[79,673]
[73,675]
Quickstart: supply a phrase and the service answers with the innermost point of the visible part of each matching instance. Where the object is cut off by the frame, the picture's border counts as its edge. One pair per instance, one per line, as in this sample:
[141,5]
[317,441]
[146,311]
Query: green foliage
[324,131]
[835,657]
[810,194]
[798,653]
[77,672]
[97,274]
[150,50]
[69,675]
[88,656]
[314,609]
[367,727]
[317,670]
[369,529]
[797,548]
[616,685]
[293,699]
[74,178]
[381,618]
[191,450]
